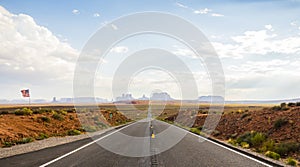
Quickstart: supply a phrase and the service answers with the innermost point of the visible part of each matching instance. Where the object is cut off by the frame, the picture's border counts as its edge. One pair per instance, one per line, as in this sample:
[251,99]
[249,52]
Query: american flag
[25,93]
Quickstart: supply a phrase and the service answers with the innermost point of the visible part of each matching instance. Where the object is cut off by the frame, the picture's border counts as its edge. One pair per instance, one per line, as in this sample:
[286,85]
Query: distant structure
[163,96]
[143,98]
[54,100]
[125,97]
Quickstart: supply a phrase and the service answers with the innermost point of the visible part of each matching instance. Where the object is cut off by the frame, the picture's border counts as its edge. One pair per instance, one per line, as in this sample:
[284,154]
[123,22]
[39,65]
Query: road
[187,152]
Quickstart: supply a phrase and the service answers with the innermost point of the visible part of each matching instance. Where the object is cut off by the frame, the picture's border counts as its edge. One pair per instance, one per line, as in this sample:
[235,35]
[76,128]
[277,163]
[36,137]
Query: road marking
[86,145]
[263,163]
[154,159]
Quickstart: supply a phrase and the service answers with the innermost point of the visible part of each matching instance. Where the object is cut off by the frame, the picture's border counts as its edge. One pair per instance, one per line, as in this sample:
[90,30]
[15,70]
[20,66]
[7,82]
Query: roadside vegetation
[260,142]
[15,142]
[24,111]
[25,125]
[272,131]
[74,132]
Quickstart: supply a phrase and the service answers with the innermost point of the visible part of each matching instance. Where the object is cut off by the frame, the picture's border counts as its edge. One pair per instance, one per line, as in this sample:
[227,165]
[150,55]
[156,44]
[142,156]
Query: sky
[258,43]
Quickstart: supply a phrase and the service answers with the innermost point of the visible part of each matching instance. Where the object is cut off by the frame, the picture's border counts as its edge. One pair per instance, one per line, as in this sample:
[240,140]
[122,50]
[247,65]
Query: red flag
[25,93]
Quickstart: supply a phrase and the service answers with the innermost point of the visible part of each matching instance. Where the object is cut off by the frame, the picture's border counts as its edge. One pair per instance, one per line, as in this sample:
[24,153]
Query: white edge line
[244,155]
[86,145]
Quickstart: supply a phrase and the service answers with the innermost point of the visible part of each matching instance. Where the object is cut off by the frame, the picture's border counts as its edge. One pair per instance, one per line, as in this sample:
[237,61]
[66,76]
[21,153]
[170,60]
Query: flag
[25,93]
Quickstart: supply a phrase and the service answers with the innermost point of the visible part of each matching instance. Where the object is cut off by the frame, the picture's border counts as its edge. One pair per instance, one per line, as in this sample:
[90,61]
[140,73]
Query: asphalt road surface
[187,152]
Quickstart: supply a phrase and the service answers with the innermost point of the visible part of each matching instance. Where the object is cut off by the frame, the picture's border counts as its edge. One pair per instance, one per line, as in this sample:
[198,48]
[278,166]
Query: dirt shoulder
[271,131]
[25,125]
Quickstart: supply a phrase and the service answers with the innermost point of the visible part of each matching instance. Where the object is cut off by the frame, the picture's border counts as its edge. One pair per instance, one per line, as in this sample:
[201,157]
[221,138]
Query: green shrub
[276,108]
[245,145]
[268,145]
[246,137]
[23,111]
[272,155]
[63,112]
[71,110]
[283,105]
[4,112]
[258,139]
[42,136]
[279,123]
[74,132]
[58,116]
[232,142]
[39,111]
[195,130]
[45,110]
[291,161]
[254,139]
[8,144]
[298,104]
[42,110]
[24,140]
[291,104]
[45,119]
[285,148]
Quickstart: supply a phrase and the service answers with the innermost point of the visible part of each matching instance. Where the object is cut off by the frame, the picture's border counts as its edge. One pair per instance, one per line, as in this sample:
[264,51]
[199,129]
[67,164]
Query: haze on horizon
[260,53]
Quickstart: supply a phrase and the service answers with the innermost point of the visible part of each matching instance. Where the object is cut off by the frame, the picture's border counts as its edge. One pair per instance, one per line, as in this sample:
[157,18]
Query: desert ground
[266,129]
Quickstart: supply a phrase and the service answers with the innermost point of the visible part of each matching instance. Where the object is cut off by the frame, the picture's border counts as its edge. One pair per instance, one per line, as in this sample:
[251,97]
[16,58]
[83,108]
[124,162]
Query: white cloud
[202,11]
[227,50]
[96,15]
[260,66]
[258,42]
[278,84]
[293,23]
[184,52]
[75,11]
[181,5]
[207,11]
[119,49]
[31,53]
[269,27]
[275,77]
[217,15]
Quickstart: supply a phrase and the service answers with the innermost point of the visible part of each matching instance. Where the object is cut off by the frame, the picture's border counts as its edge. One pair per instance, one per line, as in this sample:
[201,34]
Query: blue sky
[57,15]
[258,43]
